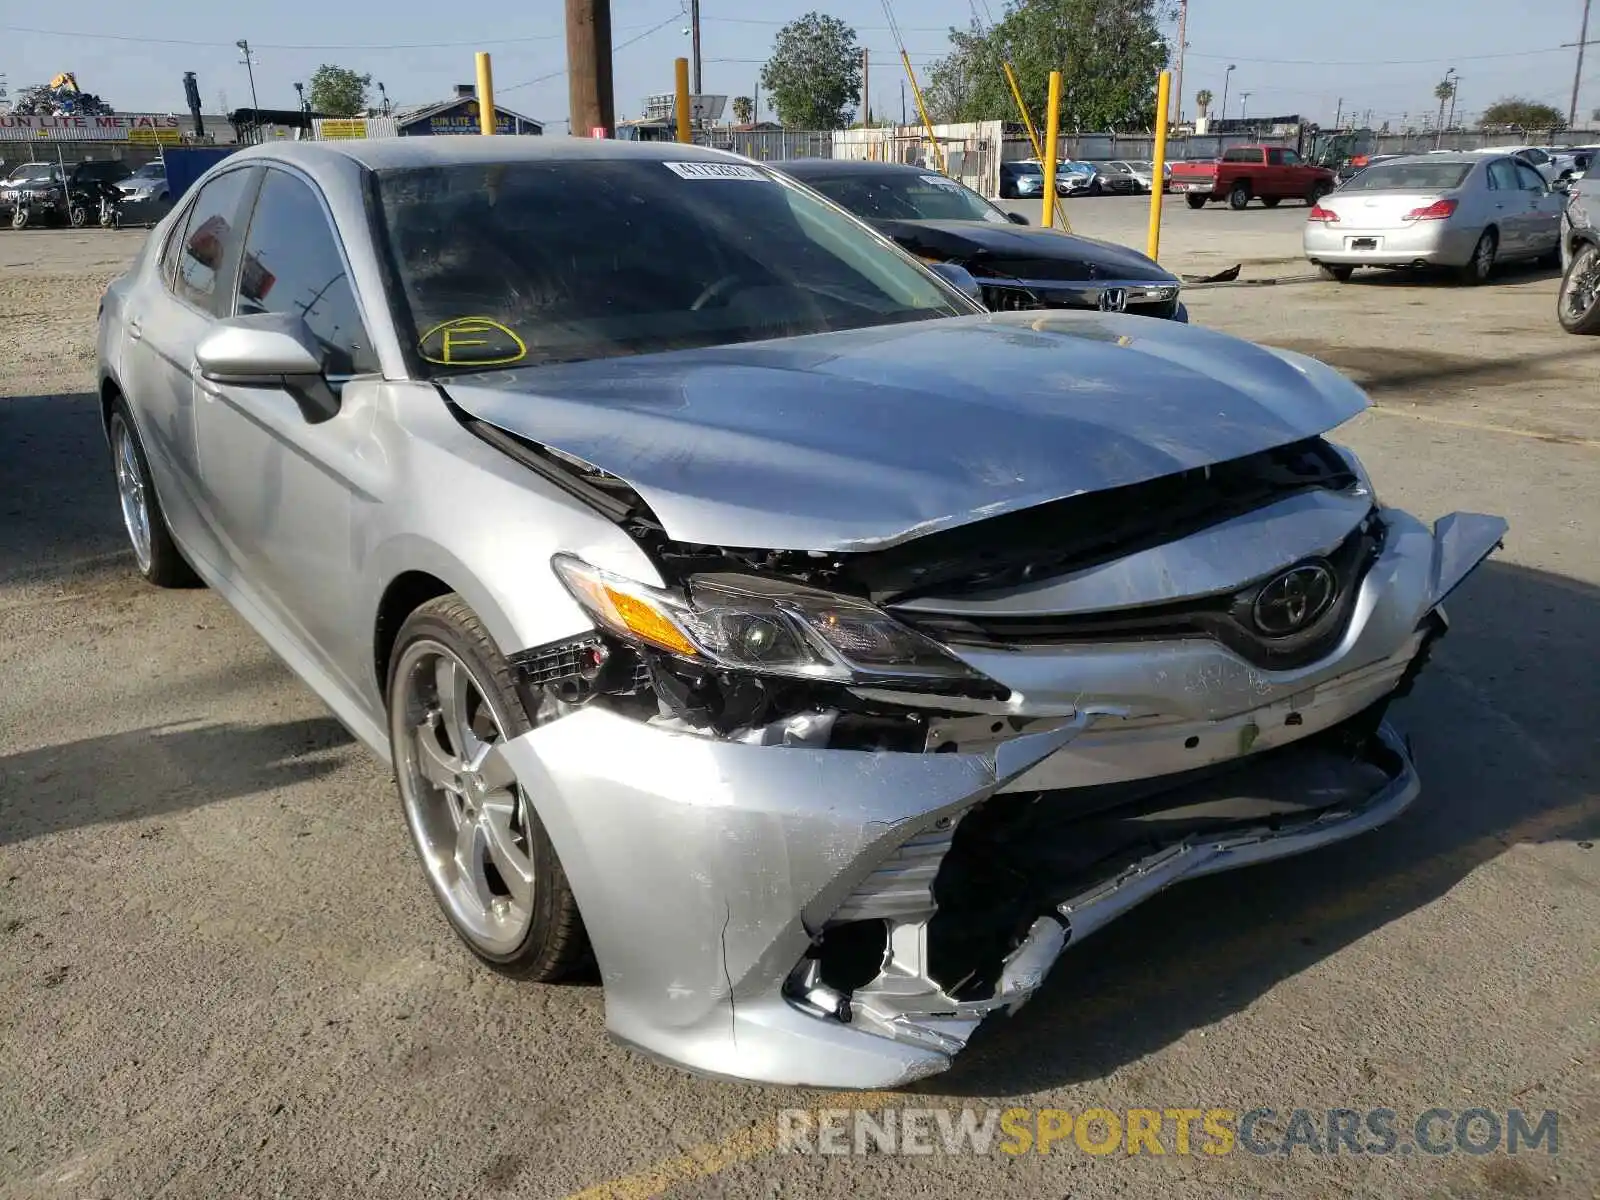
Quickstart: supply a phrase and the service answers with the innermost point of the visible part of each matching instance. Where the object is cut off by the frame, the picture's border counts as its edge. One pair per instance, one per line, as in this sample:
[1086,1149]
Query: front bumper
[1425,243]
[708,871]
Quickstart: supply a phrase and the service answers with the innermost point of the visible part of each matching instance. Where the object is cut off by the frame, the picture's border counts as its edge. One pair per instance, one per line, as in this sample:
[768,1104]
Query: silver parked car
[1466,212]
[738,602]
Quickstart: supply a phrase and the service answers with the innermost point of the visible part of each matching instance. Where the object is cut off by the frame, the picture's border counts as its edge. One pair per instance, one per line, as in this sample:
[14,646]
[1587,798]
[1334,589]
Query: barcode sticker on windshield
[713,170]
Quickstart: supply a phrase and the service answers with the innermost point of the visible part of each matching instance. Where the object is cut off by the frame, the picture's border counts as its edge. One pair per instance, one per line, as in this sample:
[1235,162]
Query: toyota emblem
[1294,600]
[1113,299]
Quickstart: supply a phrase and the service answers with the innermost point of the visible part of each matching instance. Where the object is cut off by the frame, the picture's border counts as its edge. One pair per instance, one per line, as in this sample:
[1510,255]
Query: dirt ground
[221,974]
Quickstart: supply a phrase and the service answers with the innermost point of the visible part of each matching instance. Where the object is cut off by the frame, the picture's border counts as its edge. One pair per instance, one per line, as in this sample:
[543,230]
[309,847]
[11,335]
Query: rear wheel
[1239,197]
[19,217]
[1271,201]
[487,857]
[77,216]
[1336,273]
[1317,192]
[1481,265]
[1578,302]
[1196,201]
[154,552]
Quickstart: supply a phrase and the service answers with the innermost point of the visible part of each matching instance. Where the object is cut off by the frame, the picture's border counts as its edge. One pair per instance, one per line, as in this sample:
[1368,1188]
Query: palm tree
[743,110]
[1202,101]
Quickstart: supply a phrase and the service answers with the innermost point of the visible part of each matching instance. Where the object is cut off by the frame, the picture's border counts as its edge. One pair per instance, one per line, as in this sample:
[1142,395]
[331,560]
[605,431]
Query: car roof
[1464,158]
[802,167]
[383,154]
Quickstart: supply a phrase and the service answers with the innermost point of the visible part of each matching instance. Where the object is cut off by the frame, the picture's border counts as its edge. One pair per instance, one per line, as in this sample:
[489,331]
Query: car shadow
[60,500]
[1501,729]
[1505,275]
[1414,372]
[158,771]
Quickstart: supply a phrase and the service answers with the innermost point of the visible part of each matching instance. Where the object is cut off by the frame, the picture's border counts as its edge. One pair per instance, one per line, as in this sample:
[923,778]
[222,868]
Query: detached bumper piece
[966,922]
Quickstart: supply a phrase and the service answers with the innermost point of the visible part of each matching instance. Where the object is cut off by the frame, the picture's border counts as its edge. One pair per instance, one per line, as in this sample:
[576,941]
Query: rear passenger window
[1244,156]
[1503,175]
[292,264]
[211,238]
[1529,179]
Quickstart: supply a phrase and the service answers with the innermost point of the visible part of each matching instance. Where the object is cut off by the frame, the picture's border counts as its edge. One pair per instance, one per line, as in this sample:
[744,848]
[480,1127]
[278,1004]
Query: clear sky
[1291,56]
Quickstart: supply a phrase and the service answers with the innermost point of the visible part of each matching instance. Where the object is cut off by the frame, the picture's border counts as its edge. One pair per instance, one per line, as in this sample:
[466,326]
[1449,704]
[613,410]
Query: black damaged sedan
[1016,266]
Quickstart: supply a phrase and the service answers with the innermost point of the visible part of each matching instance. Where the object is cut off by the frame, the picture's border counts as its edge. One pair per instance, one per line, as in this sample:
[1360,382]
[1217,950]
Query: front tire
[19,218]
[1480,266]
[1196,201]
[1578,302]
[77,216]
[154,552]
[1239,196]
[486,855]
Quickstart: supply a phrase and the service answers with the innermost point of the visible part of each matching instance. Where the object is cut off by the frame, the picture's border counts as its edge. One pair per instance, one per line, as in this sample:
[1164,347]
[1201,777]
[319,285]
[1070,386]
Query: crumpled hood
[1023,252]
[863,438]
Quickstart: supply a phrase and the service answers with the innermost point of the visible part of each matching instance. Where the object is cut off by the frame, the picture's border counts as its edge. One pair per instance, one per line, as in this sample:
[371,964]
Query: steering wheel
[718,288]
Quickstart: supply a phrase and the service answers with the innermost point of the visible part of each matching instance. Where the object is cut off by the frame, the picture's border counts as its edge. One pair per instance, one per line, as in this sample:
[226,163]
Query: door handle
[135,330]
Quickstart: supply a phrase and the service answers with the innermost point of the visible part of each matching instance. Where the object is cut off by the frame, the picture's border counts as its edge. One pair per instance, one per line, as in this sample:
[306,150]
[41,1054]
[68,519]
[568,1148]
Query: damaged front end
[825,812]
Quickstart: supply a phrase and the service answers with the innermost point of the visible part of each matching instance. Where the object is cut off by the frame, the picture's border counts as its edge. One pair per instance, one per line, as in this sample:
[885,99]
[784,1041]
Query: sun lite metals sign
[117,127]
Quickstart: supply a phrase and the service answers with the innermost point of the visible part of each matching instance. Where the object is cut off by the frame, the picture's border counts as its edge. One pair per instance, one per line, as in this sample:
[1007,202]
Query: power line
[1372,62]
[223,45]
[623,45]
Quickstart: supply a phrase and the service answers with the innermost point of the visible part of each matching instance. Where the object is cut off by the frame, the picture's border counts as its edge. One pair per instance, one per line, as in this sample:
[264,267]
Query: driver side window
[292,264]
[1528,179]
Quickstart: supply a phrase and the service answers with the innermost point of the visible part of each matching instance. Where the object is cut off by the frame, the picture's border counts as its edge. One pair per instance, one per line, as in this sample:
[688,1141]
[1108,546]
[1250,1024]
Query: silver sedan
[1464,212]
[737,602]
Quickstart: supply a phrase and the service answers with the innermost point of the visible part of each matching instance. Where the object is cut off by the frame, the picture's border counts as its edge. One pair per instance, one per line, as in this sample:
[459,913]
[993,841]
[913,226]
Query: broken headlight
[773,627]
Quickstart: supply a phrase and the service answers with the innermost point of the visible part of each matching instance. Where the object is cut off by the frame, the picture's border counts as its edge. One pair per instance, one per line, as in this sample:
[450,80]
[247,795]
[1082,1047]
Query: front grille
[1004,298]
[1223,618]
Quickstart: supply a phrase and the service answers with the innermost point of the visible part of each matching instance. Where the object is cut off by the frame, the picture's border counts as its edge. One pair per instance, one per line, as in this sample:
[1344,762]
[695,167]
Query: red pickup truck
[1243,172]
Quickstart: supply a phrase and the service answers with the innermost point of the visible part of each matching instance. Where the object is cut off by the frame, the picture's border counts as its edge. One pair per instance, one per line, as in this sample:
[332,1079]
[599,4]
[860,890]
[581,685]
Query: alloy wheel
[1581,285]
[461,798]
[130,491]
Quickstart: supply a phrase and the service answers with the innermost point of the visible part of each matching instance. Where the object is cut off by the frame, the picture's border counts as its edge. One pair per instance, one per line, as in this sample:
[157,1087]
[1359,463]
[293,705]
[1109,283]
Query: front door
[282,478]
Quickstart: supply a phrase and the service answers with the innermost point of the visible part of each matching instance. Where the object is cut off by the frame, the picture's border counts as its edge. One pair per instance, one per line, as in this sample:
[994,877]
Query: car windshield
[561,261]
[151,171]
[906,196]
[1410,177]
[34,173]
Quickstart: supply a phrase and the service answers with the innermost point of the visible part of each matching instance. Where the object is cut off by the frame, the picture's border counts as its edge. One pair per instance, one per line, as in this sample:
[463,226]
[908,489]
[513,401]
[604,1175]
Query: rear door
[1508,207]
[1543,212]
[163,325]
[283,484]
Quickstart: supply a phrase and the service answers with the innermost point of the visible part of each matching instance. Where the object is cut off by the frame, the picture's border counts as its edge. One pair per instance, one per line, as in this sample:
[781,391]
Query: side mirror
[269,350]
[959,278]
[1016,218]
[1562,185]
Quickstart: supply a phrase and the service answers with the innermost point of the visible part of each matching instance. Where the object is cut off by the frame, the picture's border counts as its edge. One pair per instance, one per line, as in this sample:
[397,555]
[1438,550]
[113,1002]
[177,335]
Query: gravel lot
[221,974]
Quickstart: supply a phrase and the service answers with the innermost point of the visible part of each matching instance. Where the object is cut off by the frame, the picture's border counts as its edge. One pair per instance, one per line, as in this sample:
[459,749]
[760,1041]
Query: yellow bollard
[685,133]
[1158,168]
[485,94]
[1052,132]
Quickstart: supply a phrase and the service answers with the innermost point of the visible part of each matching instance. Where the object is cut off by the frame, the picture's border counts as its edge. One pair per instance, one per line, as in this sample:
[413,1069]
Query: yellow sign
[155,137]
[344,127]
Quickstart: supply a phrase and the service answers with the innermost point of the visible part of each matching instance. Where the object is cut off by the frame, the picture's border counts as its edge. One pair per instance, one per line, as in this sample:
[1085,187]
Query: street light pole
[1227,77]
[1244,105]
[249,66]
[1183,27]
[1455,87]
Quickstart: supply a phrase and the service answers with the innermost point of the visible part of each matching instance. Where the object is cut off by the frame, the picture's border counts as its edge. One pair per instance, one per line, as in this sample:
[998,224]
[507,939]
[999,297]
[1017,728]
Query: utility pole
[1338,111]
[1177,91]
[589,66]
[1244,106]
[1455,89]
[902,102]
[866,88]
[1577,74]
[694,30]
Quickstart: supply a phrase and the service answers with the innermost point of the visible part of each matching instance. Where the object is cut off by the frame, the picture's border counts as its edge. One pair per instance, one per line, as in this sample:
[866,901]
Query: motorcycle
[111,209]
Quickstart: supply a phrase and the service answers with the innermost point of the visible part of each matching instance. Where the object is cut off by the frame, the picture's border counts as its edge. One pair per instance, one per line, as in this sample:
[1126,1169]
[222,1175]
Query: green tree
[1202,100]
[1108,51]
[814,74]
[1529,114]
[744,110]
[338,91]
